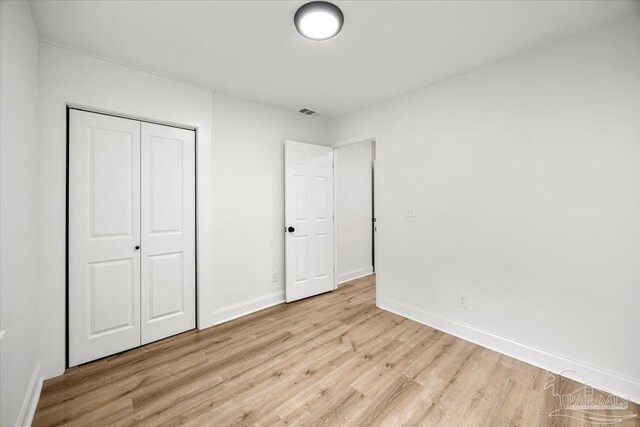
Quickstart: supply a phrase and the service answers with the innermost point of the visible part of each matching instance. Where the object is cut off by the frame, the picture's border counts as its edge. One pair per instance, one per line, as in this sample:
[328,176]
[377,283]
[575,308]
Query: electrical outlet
[274,276]
[462,300]
[410,213]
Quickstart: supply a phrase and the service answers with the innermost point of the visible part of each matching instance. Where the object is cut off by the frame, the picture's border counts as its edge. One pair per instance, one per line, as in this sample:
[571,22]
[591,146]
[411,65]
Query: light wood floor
[334,359]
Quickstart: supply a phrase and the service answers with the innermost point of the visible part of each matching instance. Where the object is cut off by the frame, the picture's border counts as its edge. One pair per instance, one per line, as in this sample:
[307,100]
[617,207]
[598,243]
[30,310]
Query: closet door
[168,231]
[104,230]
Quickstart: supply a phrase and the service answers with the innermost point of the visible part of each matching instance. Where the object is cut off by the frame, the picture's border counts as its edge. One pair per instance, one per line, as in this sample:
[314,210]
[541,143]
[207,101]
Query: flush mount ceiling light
[318,20]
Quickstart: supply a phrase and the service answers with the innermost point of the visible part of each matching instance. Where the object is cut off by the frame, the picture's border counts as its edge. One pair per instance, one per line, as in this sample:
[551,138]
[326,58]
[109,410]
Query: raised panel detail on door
[301,194]
[166,293]
[301,268]
[309,211]
[166,184]
[322,255]
[112,180]
[319,201]
[104,228]
[111,303]
[168,231]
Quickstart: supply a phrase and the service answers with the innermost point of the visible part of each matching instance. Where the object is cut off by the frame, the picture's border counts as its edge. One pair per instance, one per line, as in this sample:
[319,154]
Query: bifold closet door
[168,231]
[131,234]
[104,230]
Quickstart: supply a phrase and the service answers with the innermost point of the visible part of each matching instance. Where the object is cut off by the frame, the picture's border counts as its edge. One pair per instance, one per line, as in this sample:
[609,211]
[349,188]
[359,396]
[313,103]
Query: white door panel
[309,211]
[104,267]
[168,231]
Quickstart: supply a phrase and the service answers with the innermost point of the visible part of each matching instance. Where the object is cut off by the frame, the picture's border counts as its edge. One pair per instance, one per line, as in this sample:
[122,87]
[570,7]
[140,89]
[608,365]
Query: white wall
[70,77]
[353,211]
[239,184]
[525,179]
[248,210]
[19,369]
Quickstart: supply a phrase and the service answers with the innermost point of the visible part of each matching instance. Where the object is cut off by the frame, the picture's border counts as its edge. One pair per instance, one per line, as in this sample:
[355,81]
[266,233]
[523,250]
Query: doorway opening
[355,213]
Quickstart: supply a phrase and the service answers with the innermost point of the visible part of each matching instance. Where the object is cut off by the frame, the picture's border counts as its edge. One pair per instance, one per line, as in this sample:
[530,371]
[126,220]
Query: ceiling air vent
[309,112]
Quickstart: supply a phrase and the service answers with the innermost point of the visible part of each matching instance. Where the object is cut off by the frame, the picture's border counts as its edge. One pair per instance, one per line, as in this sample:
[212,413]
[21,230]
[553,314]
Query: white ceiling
[252,50]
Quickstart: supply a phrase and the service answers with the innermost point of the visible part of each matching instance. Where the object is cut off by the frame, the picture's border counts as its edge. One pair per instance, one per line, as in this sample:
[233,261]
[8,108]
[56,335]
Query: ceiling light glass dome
[319,20]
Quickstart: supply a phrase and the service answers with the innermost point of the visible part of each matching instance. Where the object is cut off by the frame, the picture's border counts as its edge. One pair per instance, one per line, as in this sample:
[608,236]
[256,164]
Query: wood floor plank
[335,359]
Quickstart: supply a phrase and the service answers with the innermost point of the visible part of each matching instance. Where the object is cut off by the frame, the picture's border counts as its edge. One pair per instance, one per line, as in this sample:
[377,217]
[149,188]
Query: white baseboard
[31,398]
[354,274]
[231,312]
[619,385]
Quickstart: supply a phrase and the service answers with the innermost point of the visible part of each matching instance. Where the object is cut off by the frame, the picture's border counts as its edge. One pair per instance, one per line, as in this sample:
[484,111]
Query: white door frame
[71,106]
[375,139]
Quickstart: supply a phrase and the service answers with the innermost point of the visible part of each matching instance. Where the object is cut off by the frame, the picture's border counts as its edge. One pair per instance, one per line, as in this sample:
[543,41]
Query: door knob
[137,247]
[291,229]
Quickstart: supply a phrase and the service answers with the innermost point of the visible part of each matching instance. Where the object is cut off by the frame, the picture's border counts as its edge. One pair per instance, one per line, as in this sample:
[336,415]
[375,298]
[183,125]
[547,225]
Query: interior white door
[168,231]
[308,171]
[104,229]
